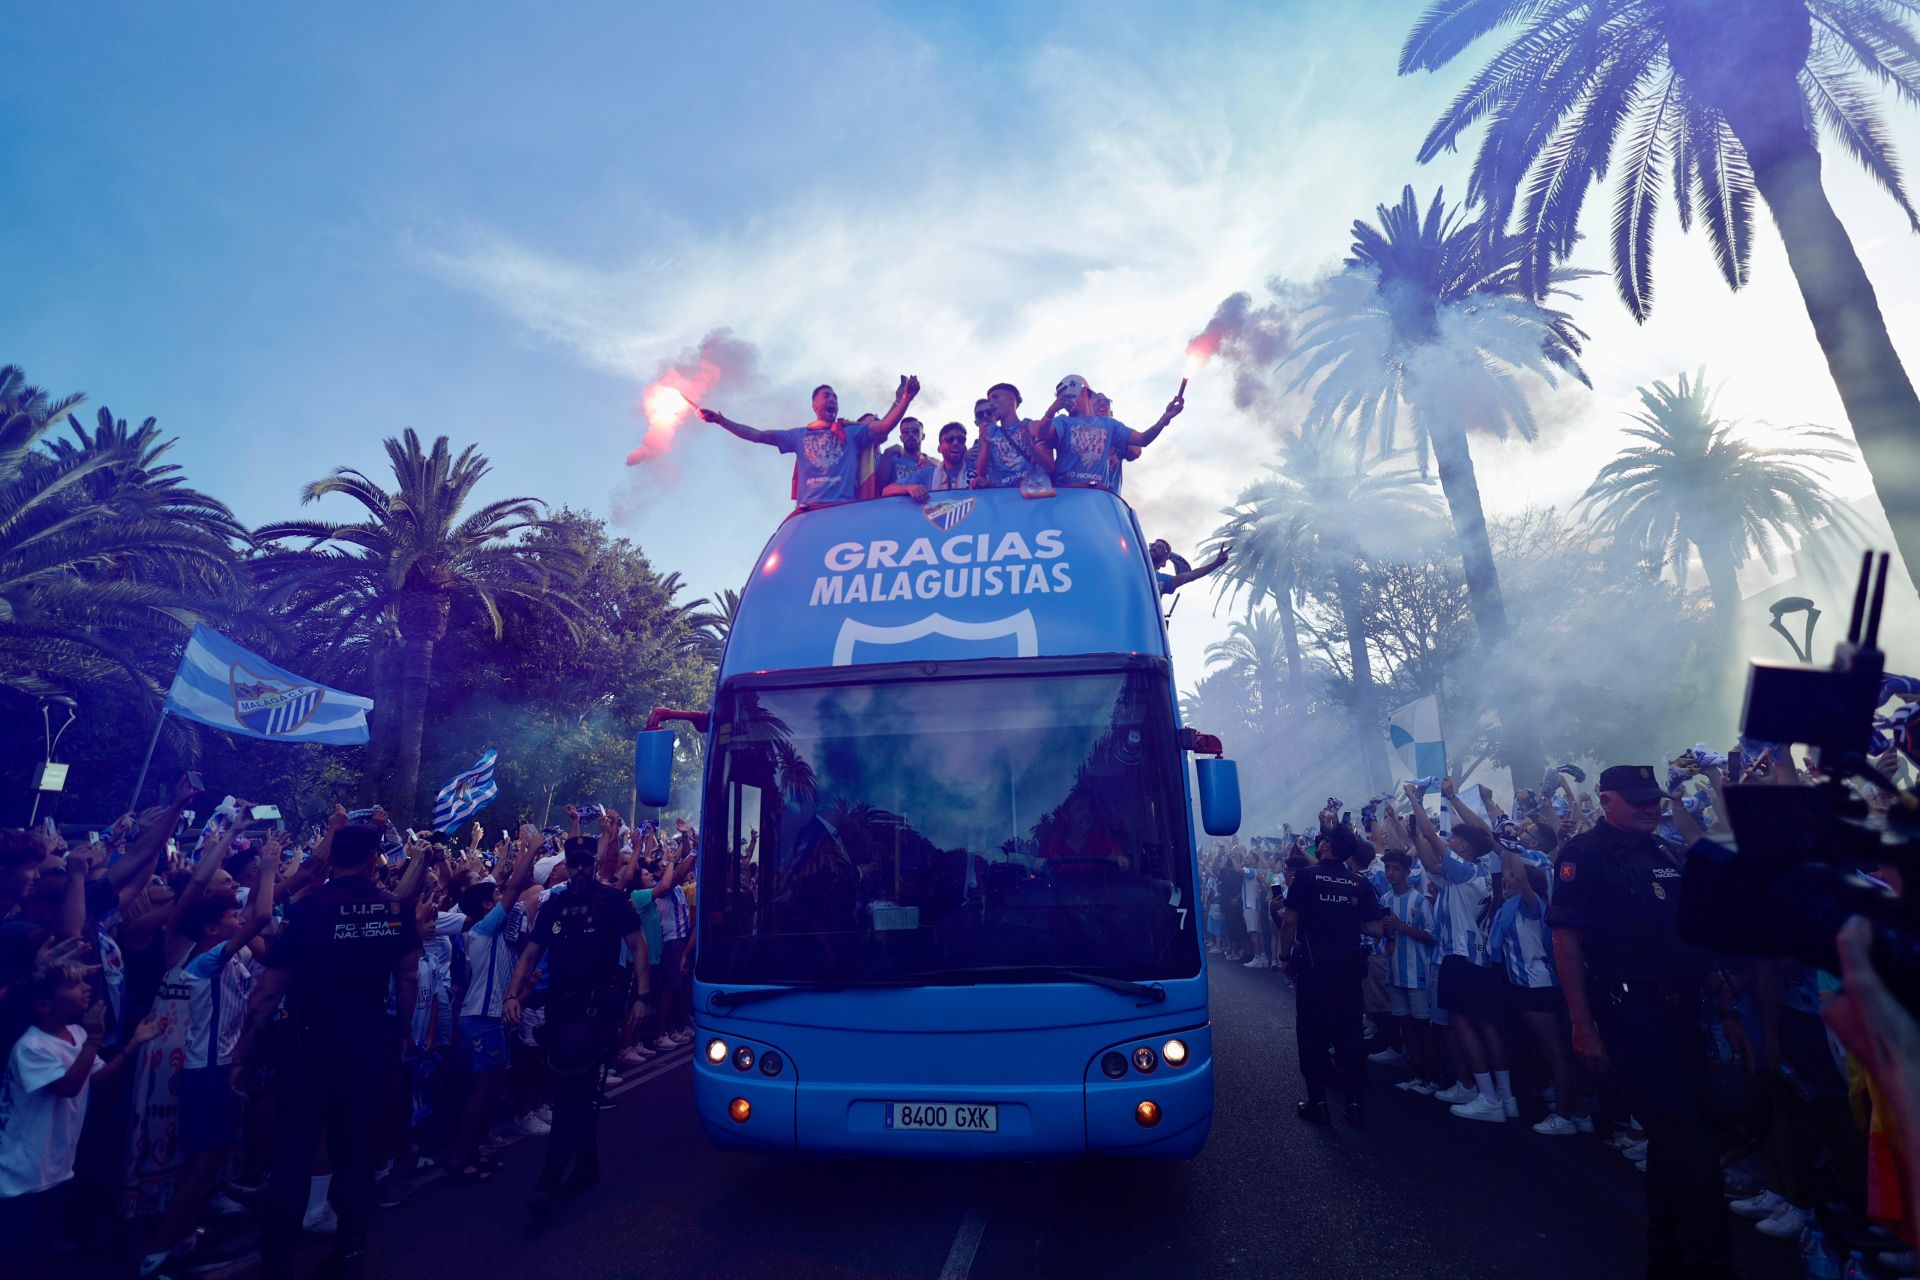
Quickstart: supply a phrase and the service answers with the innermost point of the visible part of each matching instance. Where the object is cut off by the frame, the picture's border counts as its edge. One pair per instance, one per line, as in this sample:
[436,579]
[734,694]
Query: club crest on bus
[269,705]
[1018,628]
[945,515]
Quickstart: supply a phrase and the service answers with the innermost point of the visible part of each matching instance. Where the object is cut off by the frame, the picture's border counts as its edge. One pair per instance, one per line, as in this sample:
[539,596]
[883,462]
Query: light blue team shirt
[1084,449]
[1410,960]
[1522,940]
[1009,453]
[901,469]
[943,481]
[1464,889]
[826,461]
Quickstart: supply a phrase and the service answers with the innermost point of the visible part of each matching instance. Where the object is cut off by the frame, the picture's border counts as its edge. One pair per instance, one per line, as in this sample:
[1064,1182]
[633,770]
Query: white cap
[1070,386]
[544,868]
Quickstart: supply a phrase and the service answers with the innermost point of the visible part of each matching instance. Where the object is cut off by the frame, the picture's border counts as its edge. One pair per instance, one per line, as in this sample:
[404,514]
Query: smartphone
[264,813]
[194,780]
[93,837]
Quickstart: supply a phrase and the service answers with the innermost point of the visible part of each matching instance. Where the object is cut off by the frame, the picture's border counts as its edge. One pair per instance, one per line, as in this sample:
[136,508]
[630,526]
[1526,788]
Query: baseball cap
[543,869]
[1070,386]
[1634,782]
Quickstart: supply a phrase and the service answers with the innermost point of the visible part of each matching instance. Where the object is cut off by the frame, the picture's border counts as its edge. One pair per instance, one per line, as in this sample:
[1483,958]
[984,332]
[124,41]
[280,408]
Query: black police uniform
[342,945]
[580,928]
[1332,906]
[1646,990]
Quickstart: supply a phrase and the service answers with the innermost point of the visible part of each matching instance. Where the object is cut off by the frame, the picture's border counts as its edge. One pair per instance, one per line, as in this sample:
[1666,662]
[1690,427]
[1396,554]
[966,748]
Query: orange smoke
[1203,349]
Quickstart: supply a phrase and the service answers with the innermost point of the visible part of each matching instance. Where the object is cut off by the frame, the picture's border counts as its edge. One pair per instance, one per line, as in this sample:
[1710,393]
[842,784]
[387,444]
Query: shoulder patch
[1568,870]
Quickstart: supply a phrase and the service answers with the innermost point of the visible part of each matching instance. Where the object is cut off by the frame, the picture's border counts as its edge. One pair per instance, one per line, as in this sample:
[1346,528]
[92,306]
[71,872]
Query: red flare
[667,405]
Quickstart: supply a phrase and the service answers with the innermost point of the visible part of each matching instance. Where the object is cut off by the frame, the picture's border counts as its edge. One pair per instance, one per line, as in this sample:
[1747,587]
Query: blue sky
[288,234]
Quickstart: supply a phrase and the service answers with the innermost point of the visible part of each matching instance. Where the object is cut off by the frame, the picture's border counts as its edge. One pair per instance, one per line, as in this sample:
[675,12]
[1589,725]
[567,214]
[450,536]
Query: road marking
[678,1058]
[965,1243]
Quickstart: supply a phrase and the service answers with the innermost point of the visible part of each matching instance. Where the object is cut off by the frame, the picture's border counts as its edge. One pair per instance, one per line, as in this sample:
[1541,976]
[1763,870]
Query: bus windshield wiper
[755,994]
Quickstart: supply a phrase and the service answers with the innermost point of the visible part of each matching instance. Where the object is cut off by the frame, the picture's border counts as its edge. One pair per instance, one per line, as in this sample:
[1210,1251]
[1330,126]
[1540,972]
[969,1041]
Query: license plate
[946,1117]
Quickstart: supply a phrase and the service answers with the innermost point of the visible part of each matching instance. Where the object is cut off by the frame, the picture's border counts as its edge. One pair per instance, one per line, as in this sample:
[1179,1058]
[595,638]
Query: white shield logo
[1020,626]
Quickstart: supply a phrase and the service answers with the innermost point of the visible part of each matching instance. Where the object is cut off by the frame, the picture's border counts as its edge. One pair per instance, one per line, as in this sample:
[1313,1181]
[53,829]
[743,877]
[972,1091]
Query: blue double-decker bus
[948,899]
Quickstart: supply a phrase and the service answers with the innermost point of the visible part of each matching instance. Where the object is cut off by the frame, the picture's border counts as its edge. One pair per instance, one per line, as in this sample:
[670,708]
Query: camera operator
[1634,991]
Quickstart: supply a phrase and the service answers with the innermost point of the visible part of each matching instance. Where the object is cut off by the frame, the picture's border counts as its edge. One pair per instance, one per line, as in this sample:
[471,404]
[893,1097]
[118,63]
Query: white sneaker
[1759,1207]
[545,1112]
[1425,1088]
[1388,1056]
[533,1126]
[1409,1086]
[635,1055]
[1556,1127]
[1480,1109]
[681,1037]
[1621,1139]
[1512,1107]
[1258,962]
[1636,1153]
[1455,1093]
[1787,1222]
[664,1045]
[323,1223]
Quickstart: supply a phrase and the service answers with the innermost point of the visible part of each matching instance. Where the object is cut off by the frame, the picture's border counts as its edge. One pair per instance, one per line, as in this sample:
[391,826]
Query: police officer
[578,931]
[1634,993]
[1328,909]
[340,948]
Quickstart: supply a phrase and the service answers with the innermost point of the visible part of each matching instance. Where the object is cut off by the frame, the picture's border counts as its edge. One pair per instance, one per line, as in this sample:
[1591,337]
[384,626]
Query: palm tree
[1730,98]
[63,626]
[1694,487]
[411,556]
[714,624]
[1219,703]
[138,481]
[1255,649]
[1431,319]
[1271,568]
[1319,509]
[19,396]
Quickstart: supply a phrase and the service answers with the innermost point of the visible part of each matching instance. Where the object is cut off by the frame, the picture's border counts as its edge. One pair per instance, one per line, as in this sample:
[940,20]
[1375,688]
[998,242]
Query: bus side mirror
[1219,796]
[653,766]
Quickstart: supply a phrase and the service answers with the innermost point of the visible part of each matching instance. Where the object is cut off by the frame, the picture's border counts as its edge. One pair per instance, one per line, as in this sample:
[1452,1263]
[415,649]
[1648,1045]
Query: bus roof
[984,574]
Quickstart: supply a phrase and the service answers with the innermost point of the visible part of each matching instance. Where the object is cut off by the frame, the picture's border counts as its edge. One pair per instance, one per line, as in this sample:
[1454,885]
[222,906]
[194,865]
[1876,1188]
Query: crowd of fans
[147,1041]
[1464,884]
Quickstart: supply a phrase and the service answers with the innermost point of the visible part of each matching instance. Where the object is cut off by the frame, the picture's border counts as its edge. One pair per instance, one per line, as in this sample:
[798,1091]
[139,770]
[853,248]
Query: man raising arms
[826,463]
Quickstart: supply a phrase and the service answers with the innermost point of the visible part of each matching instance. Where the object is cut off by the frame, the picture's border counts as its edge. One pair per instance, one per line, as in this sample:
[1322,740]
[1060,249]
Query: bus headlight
[716,1051]
[743,1058]
[1114,1065]
[1144,1060]
[769,1063]
[740,1109]
[1148,1114]
[1175,1053]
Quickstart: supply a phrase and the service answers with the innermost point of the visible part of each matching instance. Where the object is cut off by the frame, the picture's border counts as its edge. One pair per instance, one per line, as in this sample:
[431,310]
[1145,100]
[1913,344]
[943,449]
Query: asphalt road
[1417,1194]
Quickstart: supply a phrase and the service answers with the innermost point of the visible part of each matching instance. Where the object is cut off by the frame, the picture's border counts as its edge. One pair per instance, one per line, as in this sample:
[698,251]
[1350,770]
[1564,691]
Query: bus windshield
[958,829]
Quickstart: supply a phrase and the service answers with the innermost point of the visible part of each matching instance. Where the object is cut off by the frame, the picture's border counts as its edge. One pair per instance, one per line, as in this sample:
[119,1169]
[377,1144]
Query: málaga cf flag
[1413,731]
[222,685]
[463,797]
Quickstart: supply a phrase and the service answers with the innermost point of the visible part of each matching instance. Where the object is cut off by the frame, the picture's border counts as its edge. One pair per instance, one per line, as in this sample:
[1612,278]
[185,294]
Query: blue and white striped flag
[463,797]
[222,685]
